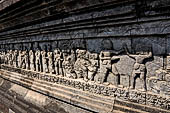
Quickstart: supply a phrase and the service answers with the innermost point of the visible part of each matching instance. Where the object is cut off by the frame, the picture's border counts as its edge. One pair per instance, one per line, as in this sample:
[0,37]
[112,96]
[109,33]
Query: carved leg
[90,75]
[37,67]
[133,81]
[32,67]
[46,68]
[40,66]
[51,69]
[56,68]
[14,64]
[103,75]
[27,66]
[85,75]
[142,78]
[63,72]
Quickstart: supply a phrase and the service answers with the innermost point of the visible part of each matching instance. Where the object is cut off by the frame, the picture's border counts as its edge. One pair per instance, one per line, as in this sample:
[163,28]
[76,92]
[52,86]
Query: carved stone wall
[109,50]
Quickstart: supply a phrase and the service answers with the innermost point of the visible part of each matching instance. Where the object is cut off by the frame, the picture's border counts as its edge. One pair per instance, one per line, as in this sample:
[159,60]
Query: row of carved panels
[159,46]
[125,65]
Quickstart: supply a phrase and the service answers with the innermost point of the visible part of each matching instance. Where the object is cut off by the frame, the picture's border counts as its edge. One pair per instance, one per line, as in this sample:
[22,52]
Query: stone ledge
[24,101]
[100,100]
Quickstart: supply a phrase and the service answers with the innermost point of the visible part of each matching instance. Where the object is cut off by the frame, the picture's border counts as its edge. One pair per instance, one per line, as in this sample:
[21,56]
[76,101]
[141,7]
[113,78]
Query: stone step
[58,86]
[117,111]
[100,103]
[11,105]
[64,96]
[141,107]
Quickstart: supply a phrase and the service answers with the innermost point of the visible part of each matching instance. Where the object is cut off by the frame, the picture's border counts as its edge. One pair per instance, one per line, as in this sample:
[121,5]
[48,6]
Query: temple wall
[88,55]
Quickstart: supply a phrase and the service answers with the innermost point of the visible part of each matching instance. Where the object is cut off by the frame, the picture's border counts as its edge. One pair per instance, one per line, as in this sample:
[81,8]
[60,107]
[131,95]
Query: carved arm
[115,58]
[149,55]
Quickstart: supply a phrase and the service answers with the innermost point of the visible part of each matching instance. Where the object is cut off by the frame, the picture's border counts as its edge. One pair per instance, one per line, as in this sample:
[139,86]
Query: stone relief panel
[130,63]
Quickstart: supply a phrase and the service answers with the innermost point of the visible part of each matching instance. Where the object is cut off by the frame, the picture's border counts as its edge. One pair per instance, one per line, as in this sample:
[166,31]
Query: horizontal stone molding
[75,90]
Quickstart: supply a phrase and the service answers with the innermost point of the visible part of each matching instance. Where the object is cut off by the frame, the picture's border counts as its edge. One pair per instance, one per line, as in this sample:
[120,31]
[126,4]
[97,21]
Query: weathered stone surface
[84,56]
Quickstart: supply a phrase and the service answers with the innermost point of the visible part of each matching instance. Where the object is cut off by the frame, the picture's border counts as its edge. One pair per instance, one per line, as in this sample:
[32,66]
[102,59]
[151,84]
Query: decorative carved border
[145,98]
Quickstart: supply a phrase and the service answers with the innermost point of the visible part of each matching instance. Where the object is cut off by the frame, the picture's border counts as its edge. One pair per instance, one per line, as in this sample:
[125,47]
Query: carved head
[31,52]
[57,51]
[81,53]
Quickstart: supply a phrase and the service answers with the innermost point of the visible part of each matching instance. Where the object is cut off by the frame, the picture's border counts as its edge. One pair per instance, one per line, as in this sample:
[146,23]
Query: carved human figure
[107,58]
[15,54]
[50,62]
[24,60]
[106,66]
[32,60]
[44,61]
[68,63]
[139,68]
[1,57]
[1,61]
[94,65]
[58,59]
[81,64]
[19,58]
[38,60]
[7,57]
[26,57]
[69,68]
[65,55]
[10,57]
[4,57]
[73,55]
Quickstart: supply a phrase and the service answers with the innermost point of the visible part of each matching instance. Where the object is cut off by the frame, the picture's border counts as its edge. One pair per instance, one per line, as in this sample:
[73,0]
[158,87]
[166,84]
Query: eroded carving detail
[96,72]
[139,69]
